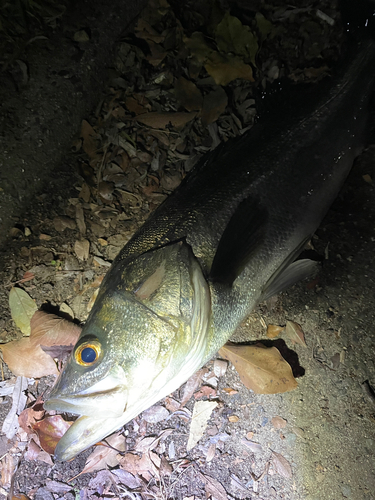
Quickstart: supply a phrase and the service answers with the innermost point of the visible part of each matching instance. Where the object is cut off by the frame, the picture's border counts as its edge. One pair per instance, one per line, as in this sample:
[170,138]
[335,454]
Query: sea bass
[225,240]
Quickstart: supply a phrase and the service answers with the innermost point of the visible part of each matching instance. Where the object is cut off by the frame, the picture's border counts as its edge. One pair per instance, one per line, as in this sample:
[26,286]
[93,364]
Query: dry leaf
[201,413]
[104,456]
[150,443]
[205,392]
[233,37]
[254,447]
[214,488]
[35,452]
[22,308]
[89,137]
[82,249]
[19,398]
[211,452]
[137,104]
[143,466]
[26,357]
[50,430]
[30,416]
[62,222]
[155,414]
[214,104]
[80,219]
[230,391]
[281,465]
[260,368]
[66,310]
[171,404]
[225,69]
[220,367]
[162,120]
[7,470]
[233,418]
[188,94]
[278,422]
[295,333]
[274,331]
[191,385]
[127,479]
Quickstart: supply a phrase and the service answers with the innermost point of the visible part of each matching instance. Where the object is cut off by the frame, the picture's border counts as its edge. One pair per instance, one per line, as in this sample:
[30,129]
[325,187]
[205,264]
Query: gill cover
[146,334]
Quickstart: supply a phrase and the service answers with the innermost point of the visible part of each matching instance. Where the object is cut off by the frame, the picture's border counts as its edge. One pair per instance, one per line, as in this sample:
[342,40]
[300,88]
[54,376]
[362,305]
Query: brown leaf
[155,414]
[30,416]
[50,430]
[281,465]
[295,333]
[214,488]
[225,69]
[80,219]
[89,137]
[205,392]
[20,496]
[104,456]
[214,104]
[230,391]
[150,443]
[188,94]
[260,368]
[254,447]
[82,249]
[25,359]
[274,331]
[162,120]
[51,330]
[7,470]
[191,385]
[35,452]
[142,466]
[62,222]
[137,104]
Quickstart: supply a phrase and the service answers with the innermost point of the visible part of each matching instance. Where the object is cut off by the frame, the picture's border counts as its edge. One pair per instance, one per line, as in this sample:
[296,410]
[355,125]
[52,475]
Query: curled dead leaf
[274,331]
[295,333]
[162,120]
[50,430]
[260,368]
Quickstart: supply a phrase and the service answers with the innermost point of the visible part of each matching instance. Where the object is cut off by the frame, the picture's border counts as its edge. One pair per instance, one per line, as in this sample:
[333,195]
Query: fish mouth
[106,398]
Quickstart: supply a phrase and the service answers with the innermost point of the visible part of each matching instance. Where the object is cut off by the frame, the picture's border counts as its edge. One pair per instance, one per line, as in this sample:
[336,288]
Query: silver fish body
[223,241]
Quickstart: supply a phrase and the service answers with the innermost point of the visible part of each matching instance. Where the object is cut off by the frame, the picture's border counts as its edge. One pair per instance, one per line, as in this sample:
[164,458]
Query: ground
[324,430]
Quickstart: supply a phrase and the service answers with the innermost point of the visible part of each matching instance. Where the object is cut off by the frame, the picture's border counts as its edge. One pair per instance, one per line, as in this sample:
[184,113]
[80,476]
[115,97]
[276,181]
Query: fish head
[145,336]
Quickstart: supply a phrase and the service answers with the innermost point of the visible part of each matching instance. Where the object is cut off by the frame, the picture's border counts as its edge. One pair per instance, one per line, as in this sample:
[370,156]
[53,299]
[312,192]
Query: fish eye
[88,353]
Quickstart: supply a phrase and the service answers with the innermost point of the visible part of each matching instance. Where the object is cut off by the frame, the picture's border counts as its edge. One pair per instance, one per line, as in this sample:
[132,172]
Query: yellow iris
[88,353]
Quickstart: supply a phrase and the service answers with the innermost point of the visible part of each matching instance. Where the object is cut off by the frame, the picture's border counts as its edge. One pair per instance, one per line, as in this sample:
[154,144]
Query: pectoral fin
[243,235]
[297,271]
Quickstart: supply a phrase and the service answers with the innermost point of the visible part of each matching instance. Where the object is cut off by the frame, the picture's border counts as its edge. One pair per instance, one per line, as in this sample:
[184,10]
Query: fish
[226,239]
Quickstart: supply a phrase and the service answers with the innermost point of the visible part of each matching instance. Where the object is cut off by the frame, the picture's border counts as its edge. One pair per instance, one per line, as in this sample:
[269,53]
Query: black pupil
[88,355]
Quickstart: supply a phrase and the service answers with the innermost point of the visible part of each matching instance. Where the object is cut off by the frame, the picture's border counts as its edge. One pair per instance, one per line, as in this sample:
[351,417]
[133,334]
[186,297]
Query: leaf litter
[176,96]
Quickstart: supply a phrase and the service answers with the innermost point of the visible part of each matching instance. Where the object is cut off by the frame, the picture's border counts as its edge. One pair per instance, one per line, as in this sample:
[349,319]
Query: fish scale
[222,242]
